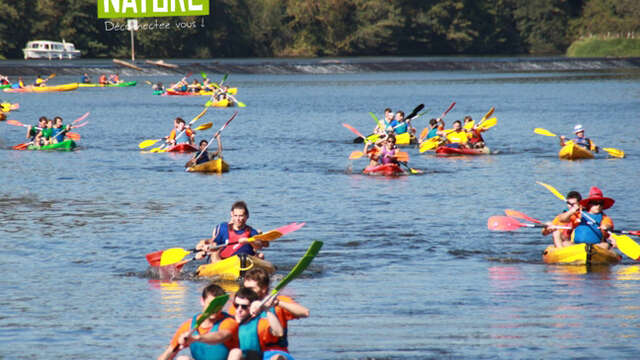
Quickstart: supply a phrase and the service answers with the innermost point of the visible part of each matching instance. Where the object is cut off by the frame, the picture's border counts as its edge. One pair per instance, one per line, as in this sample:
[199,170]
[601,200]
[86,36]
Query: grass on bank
[599,47]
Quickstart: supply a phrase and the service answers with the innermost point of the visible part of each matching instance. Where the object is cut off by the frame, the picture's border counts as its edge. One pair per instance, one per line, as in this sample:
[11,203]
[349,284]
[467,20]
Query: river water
[408,269]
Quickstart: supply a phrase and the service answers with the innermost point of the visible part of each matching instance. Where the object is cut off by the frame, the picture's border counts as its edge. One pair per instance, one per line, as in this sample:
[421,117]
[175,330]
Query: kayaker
[40,81]
[580,139]
[221,331]
[236,231]
[433,129]
[401,125]
[562,237]
[59,130]
[476,141]
[85,79]
[389,151]
[32,131]
[284,307]
[102,80]
[114,79]
[180,129]
[593,225]
[44,136]
[195,86]
[199,159]
[256,328]
[157,86]
[457,137]
[4,80]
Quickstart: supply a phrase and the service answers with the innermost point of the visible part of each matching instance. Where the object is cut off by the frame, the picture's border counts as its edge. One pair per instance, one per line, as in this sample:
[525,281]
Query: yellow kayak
[580,254]
[221,103]
[405,139]
[233,267]
[571,151]
[216,165]
[39,89]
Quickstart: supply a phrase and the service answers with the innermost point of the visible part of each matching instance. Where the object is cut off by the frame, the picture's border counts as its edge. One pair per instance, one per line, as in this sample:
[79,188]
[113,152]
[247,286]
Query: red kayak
[386,170]
[445,150]
[183,148]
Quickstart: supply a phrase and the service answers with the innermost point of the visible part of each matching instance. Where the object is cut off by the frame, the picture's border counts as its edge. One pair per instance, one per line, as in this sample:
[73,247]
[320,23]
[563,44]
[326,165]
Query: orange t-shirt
[228,324]
[557,222]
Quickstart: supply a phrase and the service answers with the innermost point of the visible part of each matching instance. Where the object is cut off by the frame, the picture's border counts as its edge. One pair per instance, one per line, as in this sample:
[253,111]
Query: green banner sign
[151,8]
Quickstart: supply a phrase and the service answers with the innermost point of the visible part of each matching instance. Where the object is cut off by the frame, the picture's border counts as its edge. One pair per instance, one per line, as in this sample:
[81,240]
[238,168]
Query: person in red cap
[593,226]
[580,139]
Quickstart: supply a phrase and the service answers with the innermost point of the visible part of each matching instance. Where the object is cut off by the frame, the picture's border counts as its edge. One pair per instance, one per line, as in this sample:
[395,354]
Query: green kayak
[66,145]
[5,86]
[124,84]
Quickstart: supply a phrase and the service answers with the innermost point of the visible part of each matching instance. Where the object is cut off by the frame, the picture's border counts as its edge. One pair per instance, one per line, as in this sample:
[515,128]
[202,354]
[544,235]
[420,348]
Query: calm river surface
[408,269]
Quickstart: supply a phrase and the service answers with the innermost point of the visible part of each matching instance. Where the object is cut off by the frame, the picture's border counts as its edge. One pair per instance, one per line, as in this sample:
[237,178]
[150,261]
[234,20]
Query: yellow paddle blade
[356,155]
[172,256]
[430,144]
[204,126]
[232,91]
[627,246]
[544,132]
[469,125]
[614,152]
[489,113]
[553,190]
[489,123]
[147,143]
[372,138]
[241,104]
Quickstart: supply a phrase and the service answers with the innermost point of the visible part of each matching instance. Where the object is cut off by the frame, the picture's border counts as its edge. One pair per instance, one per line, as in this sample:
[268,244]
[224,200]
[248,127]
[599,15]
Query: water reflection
[172,295]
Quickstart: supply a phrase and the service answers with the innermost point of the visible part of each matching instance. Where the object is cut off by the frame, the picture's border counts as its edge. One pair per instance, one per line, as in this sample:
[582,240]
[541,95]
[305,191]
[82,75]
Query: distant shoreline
[318,66]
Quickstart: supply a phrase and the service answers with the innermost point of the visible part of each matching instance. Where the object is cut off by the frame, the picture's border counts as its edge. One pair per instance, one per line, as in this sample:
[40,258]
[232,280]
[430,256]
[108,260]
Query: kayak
[215,165]
[385,170]
[445,150]
[5,86]
[571,151]
[66,145]
[6,107]
[184,147]
[172,92]
[39,89]
[233,267]
[221,103]
[158,92]
[580,254]
[124,84]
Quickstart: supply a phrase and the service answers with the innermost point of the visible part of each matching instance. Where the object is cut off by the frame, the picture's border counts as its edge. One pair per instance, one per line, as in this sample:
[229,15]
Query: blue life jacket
[58,134]
[584,142]
[202,351]
[249,339]
[587,231]
[401,129]
[432,133]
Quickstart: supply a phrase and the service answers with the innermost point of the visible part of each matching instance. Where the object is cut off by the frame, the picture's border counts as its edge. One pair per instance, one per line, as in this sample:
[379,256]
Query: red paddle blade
[284,230]
[154,258]
[20,146]
[635,232]
[73,136]
[449,109]
[519,215]
[503,223]
[80,118]
[14,123]
[353,130]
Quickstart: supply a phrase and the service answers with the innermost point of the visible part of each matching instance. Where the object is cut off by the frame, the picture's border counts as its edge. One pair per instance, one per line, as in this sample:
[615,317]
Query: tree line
[309,28]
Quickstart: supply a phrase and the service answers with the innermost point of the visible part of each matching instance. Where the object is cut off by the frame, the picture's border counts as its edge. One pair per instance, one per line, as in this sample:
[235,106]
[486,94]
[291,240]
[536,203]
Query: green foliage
[599,47]
[240,28]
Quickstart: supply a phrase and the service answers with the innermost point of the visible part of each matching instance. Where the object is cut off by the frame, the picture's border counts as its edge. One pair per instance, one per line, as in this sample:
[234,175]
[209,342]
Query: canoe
[580,254]
[571,151]
[66,145]
[215,165]
[385,170]
[40,89]
[445,150]
[184,147]
[124,84]
[233,267]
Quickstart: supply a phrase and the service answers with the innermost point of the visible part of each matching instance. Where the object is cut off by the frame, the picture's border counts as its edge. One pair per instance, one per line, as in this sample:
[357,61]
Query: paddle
[626,245]
[519,215]
[301,266]
[353,130]
[240,103]
[214,136]
[611,151]
[430,144]
[469,125]
[506,223]
[214,306]
[147,143]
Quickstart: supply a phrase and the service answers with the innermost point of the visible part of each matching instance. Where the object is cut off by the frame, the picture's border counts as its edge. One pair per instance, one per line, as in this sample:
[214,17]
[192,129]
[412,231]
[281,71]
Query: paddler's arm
[562,139]
[294,308]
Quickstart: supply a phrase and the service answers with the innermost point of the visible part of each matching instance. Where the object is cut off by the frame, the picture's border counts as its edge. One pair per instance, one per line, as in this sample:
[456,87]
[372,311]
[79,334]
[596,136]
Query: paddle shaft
[216,134]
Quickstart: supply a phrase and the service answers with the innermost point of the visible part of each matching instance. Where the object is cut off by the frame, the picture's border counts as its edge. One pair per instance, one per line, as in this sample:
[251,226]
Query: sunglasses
[596,203]
[241,306]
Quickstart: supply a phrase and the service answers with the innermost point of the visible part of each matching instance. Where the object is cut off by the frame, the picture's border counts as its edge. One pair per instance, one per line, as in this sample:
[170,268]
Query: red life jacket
[232,243]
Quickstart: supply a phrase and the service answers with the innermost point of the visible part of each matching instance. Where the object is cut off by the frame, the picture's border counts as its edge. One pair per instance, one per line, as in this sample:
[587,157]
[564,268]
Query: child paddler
[256,329]
[476,141]
[179,130]
[232,234]
[202,155]
[580,139]
[562,237]
[593,225]
[220,328]
[284,307]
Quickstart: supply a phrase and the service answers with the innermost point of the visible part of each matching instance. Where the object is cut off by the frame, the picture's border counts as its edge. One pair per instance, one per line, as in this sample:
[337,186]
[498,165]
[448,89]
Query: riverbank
[604,47]
[319,66]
